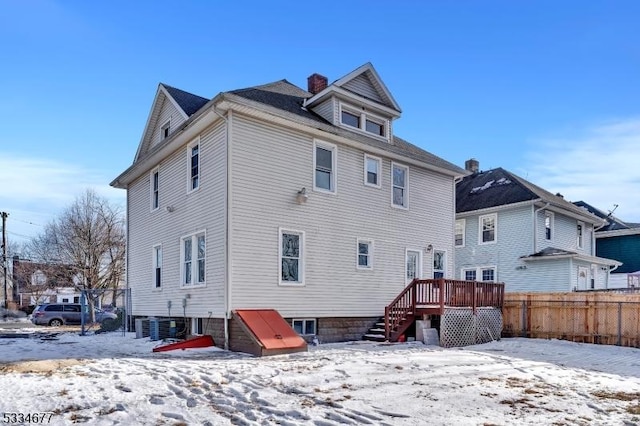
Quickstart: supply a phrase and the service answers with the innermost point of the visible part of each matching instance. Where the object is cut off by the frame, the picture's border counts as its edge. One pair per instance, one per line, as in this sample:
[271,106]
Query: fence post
[619,323]
[524,318]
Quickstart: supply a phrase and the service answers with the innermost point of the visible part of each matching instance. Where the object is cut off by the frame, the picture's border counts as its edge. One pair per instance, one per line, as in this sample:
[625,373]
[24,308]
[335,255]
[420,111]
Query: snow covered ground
[109,379]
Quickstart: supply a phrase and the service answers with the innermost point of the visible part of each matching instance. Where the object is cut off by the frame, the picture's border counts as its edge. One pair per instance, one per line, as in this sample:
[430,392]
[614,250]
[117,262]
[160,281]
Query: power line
[28,223]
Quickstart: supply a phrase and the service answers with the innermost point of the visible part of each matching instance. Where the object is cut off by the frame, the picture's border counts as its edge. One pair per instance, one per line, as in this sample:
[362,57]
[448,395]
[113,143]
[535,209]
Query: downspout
[227,245]
[535,227]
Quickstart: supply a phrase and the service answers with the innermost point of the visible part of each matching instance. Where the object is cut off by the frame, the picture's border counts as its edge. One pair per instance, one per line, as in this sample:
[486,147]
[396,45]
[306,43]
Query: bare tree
[90,235]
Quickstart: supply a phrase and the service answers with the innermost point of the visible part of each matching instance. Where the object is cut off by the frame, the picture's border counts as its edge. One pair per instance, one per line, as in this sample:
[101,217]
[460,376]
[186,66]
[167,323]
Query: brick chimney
[316,83]
[472,165]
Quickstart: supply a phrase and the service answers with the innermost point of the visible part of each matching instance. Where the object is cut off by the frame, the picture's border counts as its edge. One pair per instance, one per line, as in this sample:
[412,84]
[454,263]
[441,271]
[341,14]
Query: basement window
[304,327]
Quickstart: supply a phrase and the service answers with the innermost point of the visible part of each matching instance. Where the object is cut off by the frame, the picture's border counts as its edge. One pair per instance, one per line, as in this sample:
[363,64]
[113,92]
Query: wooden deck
[432,296]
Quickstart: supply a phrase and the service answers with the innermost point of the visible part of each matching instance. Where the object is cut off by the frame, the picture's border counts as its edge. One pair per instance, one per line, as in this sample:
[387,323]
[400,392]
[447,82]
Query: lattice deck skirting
[460,327]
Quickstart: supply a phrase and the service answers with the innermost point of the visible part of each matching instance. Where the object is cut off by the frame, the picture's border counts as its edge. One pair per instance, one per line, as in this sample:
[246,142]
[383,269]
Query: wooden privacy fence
[604,318]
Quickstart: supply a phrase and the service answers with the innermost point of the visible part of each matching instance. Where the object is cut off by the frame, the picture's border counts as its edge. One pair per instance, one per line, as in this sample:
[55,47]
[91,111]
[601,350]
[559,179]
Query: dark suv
[57,314]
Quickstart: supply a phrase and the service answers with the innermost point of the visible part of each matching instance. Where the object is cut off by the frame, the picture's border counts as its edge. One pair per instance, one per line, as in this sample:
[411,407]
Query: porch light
[302,196]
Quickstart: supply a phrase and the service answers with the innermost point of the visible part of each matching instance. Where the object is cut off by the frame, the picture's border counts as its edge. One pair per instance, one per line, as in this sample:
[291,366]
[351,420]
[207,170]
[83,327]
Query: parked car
[57,314]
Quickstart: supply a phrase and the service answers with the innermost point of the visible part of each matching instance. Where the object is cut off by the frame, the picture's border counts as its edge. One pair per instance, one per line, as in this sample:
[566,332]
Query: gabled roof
[188,102]
[363,77]
[498,187]
[613,223]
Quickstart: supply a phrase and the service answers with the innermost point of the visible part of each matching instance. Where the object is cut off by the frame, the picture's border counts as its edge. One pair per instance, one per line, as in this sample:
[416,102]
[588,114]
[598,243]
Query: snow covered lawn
[109,379]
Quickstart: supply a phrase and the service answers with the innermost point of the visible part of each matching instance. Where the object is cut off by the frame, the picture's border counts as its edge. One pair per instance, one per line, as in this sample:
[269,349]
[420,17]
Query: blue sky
[548,90]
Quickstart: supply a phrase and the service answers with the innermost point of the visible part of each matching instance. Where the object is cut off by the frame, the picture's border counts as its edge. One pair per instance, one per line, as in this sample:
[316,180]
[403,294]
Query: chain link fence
[587,321]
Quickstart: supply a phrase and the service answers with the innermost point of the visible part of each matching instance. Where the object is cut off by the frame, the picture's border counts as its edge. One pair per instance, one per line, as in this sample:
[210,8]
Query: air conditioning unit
[161,328]
[142,328]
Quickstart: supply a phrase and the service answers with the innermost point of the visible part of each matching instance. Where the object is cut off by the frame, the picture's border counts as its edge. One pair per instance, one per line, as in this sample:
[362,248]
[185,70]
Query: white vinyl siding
[399,186]
[363,86]
[204,209]
[167,114]
[372,169]
[325,165]
[331,225]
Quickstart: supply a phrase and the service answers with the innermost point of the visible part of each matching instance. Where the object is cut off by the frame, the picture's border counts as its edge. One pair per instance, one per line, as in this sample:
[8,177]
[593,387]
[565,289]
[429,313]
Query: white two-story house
[302,201]
[510,230]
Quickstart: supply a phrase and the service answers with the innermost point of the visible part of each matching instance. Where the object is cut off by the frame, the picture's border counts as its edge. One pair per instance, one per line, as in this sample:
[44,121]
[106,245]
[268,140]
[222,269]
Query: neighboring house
[620,241]
[510,230]
[36,282]
[275,197]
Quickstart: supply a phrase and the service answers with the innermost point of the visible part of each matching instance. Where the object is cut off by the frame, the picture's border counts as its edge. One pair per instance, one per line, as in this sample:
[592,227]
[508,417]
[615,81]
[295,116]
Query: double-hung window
[324,163]
[193,165]
[487,225]
[291,257]
[363,121]
[364,254]
[157,266]
[439,263]
[165,129]
[155,189]
[193,253]
[485,273]
[460,232]
[372,167]
[400,186]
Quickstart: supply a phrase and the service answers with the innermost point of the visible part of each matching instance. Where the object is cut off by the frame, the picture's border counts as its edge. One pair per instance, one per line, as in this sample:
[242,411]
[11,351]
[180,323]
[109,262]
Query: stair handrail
[389,308]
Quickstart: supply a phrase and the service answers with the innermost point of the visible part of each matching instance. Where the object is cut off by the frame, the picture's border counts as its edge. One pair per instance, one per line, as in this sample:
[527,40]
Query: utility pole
[4,256]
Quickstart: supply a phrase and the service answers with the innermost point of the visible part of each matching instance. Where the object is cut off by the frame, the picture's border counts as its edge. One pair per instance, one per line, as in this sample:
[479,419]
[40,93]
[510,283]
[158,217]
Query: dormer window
[363,121]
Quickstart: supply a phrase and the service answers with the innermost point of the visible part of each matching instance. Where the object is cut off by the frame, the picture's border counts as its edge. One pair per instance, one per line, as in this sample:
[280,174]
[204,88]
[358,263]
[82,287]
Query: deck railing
[438,293]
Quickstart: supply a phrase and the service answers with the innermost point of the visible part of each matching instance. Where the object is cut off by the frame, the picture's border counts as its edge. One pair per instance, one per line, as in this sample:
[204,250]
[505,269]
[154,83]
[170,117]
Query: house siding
[326,110]
[269,166]
[168,111]
[566,234]
[362,86]
[200,210]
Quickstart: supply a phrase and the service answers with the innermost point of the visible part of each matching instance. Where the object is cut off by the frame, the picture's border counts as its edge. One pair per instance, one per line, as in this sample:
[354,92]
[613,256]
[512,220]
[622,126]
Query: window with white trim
[363,120]
[304,327]
[399,186]
[324,165]
[291,257]
[485,273]
[193,253]
[157,266]
[193,165]
[487,225]
[460,232]
[364,254]
[372,167]
[580,235]
[548,225]
[155,189]
[165,129]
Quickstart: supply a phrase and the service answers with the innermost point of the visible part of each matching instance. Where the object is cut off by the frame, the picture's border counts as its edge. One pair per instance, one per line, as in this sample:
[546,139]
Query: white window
[439,263]
[548,225]
[364,253]
[157,266]
[304,327]
[324,164]
[460,232]
[197,326]
[483,273]
[580,235]
[155,189]
[291,256]
[193,165]
[193,254]
[399,186]
[165,129]
[364,121]
[487,226]
[372,167]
